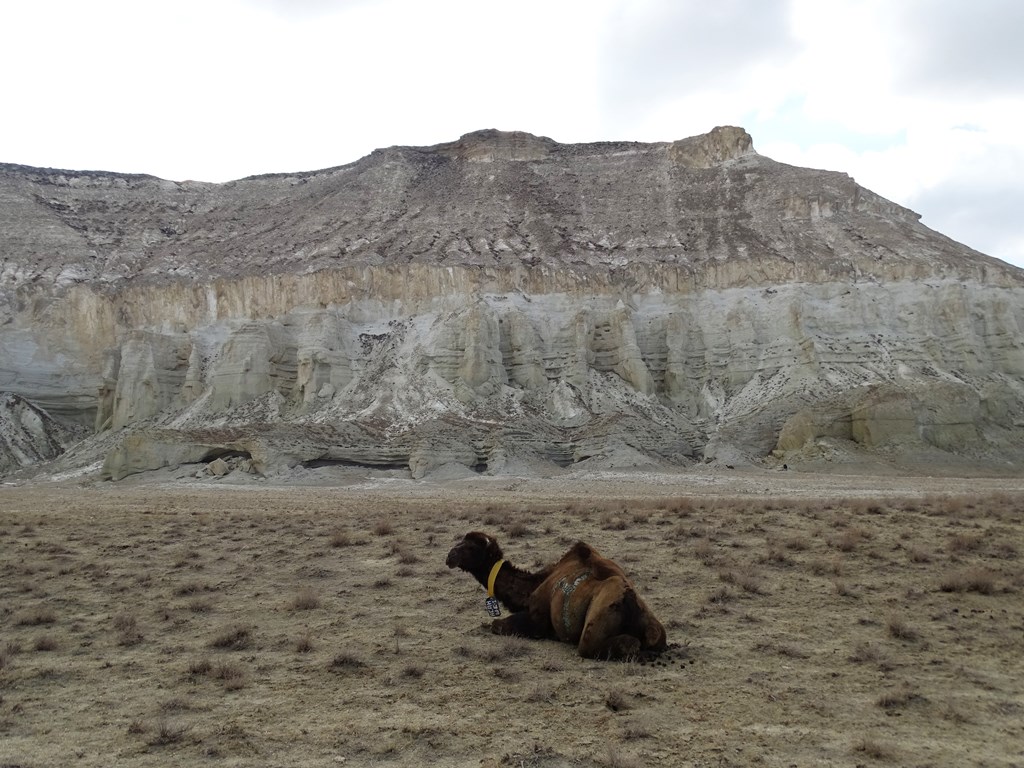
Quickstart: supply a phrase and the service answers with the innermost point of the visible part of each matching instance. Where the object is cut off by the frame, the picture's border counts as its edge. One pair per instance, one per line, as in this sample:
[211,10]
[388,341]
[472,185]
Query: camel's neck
[512,585]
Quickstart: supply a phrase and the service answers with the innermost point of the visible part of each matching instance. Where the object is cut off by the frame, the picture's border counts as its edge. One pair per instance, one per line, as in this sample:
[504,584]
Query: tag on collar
[493,609]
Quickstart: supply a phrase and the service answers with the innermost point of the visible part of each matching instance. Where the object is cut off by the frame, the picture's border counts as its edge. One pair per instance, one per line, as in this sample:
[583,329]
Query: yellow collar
[493,576]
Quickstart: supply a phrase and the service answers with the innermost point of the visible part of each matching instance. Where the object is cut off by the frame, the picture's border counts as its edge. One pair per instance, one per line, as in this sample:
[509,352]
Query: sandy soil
[818,620]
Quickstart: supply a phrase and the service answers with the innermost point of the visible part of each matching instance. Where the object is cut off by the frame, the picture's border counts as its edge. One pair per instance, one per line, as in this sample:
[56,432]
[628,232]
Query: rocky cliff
[504,302]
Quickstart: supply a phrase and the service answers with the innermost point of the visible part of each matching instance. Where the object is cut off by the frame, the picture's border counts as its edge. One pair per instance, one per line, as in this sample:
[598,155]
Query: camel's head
[476,550]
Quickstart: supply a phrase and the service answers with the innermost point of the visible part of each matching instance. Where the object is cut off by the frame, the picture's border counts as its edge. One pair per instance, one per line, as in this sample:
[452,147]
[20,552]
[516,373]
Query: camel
[584,599]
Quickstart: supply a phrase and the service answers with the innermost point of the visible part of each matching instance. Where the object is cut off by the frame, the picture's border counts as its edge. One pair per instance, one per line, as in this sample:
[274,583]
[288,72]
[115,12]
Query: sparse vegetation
[977,579]
[35,617]
[306,599]
[219,625]
[234,638]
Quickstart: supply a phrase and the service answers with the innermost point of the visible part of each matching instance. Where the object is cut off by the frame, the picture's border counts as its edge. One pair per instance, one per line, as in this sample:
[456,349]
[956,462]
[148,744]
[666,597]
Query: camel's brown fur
[584,599]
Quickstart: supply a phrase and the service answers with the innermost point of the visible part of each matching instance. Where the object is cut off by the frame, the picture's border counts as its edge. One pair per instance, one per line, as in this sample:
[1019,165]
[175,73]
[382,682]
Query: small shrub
[747,581]
[616,701]
[517,530]
[383,527]
[200,605]
[720,595]
[125,622]
[704,551]
[843,589]
[35,617]
[304,644]
[776,555]
[46,643]
[192,588]
[848,540]
[130,638]
[919,555]
[175,704]
[306,600]
[346,660]
[895,699]
[980,580]
[865,652]
[833,566]
[232,639]
[541,694]
[167,733]
[874,749]
[232,675]
[406,556]
[507,675]
[900,630]
[635,732]
[200,667]
[339,537]
[414,671]
[796,543]
[610,522]
[964,542]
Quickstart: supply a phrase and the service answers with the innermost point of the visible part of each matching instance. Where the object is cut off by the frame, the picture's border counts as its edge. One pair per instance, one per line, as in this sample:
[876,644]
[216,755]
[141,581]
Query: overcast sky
[921,101]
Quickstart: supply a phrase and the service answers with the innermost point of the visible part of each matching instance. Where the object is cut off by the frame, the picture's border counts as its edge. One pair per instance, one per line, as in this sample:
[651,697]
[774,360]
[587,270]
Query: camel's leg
[518,624]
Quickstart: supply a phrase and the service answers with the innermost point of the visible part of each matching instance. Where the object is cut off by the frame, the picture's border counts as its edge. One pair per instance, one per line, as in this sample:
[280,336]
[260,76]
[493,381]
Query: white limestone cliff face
[505,299]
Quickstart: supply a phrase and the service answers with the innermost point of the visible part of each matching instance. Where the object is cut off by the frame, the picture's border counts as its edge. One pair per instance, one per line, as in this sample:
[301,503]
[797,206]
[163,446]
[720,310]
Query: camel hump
[631,608]
[582,551]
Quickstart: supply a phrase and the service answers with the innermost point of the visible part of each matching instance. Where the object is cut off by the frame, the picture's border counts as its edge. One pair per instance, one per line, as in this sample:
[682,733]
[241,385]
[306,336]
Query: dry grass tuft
[45,643]
[200,667]
[383,527]
[749,581]
[979,580]
[918,554]
[867,653]
[704,551]
[613,522]
[306,599]
[339,537]
[964,542]
[304,643]
[849,539]
[516,530]
[233,638]
[346,661]
[35,617]
[898,698]
[413,671]
[874,749]
[192,588]
[231,674]
[899,629]
[616,701]
[166,733]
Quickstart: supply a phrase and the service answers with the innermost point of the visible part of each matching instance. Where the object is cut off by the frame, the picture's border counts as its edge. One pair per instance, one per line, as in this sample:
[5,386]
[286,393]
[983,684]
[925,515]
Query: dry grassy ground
[819,622]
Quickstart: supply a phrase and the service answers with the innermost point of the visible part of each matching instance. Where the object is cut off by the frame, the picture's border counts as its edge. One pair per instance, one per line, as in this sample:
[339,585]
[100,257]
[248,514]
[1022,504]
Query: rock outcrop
[29,435]
[503,301]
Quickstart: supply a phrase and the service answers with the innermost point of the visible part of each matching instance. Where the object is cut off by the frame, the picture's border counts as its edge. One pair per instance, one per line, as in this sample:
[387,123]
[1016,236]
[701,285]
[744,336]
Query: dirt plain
[815,620]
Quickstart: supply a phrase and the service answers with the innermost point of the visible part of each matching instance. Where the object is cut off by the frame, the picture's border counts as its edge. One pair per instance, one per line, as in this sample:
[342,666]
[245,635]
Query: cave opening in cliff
[224,453]
[352,464]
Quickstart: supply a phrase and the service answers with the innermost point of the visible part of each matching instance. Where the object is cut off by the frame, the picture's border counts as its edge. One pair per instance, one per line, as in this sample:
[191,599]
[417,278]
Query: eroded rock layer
[505,300]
